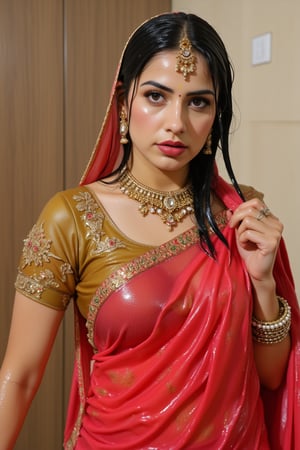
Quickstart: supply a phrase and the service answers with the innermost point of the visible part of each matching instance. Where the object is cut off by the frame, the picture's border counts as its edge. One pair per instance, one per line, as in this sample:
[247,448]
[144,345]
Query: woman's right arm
[32,334]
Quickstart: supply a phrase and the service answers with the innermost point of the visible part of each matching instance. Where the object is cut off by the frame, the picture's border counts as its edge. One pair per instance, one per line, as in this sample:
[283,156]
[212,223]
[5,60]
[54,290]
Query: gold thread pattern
[36,251]
[36,247]
[93,221]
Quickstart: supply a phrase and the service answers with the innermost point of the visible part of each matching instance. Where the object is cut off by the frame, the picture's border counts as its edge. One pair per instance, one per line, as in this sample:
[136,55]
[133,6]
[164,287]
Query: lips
[171,148]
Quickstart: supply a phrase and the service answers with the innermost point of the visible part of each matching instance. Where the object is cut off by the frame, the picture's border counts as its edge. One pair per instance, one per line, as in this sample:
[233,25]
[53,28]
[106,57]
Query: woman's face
[171,117]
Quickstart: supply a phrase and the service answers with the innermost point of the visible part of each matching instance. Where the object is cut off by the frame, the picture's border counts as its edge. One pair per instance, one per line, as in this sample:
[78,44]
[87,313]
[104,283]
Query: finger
[267,225]
[254,208]
[263,213]
[266,241]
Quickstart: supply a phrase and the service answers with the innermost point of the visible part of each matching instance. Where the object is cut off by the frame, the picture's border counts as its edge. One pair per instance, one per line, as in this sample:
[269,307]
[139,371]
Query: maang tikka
[123,127]
[186,61]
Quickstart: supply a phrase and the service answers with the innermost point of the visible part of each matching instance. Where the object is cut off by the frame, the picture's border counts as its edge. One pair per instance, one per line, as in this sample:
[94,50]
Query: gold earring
[207,146]
[123,127]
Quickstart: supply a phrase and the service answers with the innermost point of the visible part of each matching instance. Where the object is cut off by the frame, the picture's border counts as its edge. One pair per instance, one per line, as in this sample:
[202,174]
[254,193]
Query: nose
[175,120]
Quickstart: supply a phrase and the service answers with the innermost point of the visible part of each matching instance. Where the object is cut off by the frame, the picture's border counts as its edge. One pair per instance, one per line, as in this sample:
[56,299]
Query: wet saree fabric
[179,372]
[176,385]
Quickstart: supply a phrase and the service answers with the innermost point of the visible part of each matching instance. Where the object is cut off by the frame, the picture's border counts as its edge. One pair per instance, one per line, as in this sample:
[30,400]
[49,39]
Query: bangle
[275,331]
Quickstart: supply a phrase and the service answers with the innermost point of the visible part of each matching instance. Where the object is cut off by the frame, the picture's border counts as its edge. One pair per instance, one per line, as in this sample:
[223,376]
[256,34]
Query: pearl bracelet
[275,331]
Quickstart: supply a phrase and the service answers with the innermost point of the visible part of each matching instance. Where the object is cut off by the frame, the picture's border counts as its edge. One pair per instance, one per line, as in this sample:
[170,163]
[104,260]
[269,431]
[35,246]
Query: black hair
[164,32]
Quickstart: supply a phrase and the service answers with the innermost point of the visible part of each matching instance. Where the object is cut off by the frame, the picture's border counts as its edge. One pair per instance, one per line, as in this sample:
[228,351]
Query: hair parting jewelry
[207,148]
[185,60]
[123,127]
[275,331]
[171,206]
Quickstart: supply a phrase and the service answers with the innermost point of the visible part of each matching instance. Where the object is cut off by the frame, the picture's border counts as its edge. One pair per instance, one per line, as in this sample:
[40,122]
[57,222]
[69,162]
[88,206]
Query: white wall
[265,142]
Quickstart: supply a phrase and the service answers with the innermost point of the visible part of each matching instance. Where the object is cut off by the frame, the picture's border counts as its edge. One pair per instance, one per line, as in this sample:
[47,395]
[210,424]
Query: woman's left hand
[258,234]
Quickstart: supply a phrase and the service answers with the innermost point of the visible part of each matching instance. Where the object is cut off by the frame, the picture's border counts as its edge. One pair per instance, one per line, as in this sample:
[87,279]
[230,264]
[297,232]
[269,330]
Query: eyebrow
[167,89]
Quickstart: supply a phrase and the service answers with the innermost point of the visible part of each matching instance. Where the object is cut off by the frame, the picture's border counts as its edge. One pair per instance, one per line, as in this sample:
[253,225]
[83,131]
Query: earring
[207,147]
[123,127]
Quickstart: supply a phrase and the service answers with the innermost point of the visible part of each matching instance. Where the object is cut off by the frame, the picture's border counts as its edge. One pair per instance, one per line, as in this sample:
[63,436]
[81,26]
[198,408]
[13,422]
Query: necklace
[170,206]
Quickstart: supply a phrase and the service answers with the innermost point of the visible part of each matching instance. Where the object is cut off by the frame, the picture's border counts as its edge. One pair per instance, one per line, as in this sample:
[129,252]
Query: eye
[154,97]
[199,102]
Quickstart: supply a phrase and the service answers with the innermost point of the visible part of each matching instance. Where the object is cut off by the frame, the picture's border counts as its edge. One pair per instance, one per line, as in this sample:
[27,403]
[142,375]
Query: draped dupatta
[193,381]
[206,359]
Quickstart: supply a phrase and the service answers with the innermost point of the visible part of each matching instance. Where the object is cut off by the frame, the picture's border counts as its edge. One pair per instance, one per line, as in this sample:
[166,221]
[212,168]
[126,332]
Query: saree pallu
[190,382]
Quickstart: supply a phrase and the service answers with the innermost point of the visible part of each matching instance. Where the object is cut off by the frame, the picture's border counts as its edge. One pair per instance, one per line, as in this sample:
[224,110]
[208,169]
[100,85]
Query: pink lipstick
[171,148]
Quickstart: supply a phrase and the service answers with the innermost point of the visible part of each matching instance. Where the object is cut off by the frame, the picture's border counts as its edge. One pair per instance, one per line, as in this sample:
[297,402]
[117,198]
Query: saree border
[73,437]
[138,265]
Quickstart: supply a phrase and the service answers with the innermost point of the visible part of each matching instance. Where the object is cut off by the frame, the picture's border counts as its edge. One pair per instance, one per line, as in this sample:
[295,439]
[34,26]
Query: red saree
[174,369]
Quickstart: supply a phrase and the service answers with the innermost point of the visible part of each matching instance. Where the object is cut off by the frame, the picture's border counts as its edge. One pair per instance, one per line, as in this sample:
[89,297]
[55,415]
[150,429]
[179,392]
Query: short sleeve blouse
[70,250]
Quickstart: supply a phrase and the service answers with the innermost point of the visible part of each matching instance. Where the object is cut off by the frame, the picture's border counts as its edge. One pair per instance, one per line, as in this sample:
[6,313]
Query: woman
[187,324]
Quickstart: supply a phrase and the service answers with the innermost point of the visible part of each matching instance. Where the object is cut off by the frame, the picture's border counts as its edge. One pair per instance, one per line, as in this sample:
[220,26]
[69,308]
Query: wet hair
[164,33]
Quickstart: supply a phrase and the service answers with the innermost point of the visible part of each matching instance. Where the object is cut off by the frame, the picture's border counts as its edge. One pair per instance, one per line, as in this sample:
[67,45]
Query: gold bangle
[275,331]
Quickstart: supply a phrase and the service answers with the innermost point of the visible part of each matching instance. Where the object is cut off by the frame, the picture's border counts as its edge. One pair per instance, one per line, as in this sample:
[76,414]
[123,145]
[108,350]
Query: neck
[160,180]
[172,206]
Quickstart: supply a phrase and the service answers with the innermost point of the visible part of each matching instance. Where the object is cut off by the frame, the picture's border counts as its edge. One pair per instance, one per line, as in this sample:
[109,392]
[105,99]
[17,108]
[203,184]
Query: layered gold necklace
[170,206]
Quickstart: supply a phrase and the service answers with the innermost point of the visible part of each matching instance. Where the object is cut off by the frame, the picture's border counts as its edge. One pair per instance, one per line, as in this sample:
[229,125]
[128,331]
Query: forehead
[162,68]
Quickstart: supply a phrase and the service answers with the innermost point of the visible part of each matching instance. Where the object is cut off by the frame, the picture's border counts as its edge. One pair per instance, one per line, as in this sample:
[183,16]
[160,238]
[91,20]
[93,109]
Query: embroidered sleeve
[47,268]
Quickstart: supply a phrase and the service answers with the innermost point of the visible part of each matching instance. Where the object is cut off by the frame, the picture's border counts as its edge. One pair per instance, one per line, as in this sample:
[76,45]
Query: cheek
[202,129]
[142,117]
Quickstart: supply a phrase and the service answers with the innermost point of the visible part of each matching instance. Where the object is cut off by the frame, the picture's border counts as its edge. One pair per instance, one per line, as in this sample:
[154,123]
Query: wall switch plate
[261,49]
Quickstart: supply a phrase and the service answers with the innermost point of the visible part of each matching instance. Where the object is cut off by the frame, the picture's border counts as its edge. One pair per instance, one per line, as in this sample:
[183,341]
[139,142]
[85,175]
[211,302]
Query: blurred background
[57,63]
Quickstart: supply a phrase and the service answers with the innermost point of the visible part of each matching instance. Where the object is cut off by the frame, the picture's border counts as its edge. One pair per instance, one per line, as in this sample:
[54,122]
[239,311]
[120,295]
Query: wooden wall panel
[31,156]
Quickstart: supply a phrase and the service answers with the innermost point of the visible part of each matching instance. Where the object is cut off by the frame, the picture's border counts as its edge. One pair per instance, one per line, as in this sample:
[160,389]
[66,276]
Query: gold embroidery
[93,221]
[101,391]
[71,442]
[36,247]
[35,285]
[125,378]
[65,269]
[184,417]
[36,251]
[170,387]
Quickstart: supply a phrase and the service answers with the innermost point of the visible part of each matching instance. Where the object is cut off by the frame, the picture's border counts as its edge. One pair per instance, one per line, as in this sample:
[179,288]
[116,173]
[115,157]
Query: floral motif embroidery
[65,269]
[36,247]
[36,251]
[93,220]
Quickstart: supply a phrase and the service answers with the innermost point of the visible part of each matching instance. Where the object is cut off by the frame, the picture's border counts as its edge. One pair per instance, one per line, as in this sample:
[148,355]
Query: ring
[264,212]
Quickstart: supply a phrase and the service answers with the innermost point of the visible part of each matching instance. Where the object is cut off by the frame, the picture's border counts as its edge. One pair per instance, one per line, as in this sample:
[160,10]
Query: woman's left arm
[258,234]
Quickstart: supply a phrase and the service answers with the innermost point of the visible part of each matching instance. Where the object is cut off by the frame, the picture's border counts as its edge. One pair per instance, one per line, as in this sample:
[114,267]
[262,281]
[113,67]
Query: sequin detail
[36,252]
[36,247]
[93,221]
